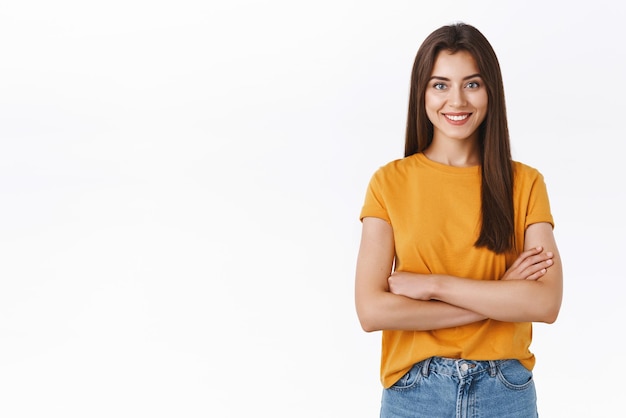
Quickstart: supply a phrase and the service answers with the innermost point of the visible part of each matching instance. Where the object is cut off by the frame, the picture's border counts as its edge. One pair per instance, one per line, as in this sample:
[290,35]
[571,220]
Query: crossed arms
[530,291]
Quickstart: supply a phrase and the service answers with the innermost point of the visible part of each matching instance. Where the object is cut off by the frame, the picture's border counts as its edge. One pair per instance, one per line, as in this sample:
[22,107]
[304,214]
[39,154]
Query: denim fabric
[449,388]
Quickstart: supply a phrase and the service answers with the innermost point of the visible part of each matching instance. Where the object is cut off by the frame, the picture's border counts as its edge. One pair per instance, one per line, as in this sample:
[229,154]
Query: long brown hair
[497,226]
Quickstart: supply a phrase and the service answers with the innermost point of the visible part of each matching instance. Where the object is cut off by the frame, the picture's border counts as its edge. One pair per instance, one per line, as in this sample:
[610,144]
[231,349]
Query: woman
[457,255]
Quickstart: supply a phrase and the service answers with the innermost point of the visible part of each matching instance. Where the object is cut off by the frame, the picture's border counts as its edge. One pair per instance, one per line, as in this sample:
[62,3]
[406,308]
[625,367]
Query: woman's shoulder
[398,165]
[526,176]
[525,170]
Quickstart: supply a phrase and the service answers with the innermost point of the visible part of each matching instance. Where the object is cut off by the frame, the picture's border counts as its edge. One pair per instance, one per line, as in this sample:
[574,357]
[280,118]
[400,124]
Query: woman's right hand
[530,265]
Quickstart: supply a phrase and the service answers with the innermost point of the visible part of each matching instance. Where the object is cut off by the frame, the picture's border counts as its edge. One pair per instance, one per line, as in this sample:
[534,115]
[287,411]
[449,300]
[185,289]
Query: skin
[529,291]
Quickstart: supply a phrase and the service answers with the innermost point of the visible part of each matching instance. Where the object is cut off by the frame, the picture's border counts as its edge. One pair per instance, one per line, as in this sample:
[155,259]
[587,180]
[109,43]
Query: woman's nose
[457,98]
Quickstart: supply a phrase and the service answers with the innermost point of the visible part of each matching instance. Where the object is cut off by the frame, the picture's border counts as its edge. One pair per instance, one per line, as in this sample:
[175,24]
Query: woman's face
[456,97]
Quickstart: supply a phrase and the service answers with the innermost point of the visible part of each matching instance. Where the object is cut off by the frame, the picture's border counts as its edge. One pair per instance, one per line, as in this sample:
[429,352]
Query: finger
[535,259]
[537,275]
[541,268]
[529,253]
[524,256]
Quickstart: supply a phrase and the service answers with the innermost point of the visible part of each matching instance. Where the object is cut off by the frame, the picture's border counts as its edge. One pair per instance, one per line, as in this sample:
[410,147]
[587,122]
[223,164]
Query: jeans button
[464,367]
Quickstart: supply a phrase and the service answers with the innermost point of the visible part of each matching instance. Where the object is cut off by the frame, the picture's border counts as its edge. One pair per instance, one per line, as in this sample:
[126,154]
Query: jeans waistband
[460,367]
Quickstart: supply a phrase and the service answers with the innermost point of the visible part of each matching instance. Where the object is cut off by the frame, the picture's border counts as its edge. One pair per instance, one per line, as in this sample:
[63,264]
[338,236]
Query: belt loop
[493,368]
[426,366]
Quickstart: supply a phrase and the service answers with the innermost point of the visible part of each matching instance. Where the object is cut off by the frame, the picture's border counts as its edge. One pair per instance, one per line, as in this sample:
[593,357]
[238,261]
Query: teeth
[456,118]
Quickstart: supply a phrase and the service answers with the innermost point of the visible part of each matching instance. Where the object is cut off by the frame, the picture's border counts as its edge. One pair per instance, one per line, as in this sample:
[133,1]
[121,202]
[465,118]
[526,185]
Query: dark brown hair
[497,226]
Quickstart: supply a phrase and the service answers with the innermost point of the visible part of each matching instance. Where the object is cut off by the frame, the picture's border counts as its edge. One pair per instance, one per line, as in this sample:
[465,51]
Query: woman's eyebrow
[436,77]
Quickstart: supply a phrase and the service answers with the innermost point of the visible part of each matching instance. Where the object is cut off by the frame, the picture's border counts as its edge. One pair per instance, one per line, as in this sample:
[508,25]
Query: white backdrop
[180,185]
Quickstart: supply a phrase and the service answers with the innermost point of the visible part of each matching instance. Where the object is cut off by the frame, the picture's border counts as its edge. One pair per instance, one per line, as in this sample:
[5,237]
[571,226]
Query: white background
[180,185]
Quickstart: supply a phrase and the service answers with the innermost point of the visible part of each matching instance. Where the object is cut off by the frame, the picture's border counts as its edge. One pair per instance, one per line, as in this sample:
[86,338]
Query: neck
[465,154]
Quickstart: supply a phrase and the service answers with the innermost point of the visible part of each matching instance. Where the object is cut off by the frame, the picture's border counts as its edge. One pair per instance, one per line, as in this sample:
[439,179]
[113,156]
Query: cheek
[481,106]
[431,113]
[432,104]
[482,102]
[432,100]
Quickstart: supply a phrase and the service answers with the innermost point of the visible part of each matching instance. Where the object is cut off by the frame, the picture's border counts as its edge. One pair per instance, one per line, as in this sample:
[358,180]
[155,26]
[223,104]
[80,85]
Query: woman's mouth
[457,119]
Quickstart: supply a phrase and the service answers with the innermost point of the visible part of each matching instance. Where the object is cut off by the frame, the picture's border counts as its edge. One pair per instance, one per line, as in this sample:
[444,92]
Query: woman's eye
[439,86]
[473,85]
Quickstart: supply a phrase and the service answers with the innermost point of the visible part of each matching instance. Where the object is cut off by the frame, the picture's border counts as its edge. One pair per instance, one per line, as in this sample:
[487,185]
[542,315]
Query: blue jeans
[448,388]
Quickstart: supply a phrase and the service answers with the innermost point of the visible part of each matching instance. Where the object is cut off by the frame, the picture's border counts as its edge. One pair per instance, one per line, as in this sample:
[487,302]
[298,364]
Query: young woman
[457,254]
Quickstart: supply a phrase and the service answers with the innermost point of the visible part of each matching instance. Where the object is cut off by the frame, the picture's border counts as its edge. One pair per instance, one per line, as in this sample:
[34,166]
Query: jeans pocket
[514,375]
[409,379]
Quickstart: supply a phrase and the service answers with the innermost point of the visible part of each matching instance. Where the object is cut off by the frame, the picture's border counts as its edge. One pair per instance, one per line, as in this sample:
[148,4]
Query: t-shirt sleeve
[374,205]
[539,203]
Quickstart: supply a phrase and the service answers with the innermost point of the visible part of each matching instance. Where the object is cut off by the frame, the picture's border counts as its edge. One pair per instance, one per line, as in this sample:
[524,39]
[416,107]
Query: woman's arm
[378,308]
[533,298]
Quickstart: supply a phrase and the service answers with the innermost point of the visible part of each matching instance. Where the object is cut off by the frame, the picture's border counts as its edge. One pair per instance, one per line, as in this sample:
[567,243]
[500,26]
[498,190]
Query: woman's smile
[457,118]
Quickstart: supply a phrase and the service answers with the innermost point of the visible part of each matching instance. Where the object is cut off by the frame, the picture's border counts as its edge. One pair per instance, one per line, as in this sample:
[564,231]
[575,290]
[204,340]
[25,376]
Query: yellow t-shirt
[434,210]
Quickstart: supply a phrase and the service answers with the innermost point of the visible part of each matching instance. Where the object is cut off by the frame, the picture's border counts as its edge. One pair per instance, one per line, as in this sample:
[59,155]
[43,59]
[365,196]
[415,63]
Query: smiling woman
[457,255]
[456,102]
